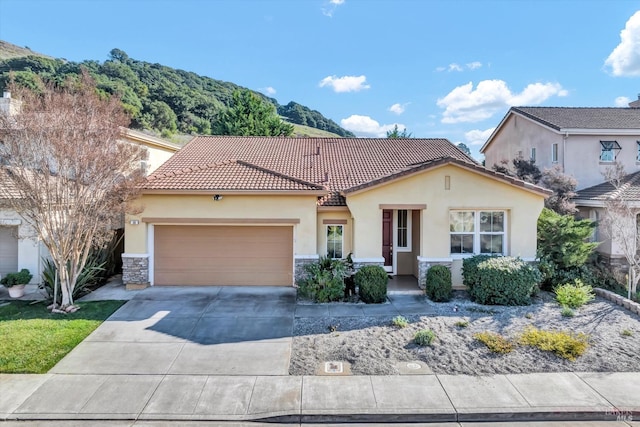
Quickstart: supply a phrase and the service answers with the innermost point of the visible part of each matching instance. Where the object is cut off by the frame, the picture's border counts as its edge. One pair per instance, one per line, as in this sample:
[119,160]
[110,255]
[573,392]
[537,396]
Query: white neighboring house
[19,247]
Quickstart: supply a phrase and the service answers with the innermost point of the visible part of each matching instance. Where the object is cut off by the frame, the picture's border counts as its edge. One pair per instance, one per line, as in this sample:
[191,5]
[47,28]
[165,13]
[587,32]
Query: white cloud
[268,90]
[625,58]
[466,104]
[457,67]
[398,108]
[477,136]
[622,101]
[331,7]
[366,126]
[345,83]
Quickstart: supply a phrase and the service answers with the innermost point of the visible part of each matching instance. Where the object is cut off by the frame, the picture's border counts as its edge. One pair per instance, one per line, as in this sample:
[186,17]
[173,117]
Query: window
[595,217]
[638,151]
[554,153]
[533,154]
[403,230]
[477,232]
[334,241]
[608,150]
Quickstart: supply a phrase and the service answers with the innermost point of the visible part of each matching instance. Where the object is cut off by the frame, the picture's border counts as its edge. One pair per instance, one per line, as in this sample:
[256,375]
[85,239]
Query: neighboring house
[591,203]
[19,246]
[583,141]
[254,210]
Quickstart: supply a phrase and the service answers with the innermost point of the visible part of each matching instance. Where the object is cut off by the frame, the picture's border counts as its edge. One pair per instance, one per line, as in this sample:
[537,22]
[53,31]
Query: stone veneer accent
[424,264]
[632,306]
[300,262]
[359,263]
[135,270]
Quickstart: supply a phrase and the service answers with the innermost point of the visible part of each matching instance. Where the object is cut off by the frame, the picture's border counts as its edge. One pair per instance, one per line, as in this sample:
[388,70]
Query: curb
[623,302]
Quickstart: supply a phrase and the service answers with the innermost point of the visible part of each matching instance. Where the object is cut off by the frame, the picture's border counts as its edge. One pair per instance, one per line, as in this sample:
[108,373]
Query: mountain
[159,98]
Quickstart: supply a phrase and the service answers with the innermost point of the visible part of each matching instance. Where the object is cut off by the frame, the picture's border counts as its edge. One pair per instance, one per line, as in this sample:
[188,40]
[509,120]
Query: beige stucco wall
[347,232]
[156,157]
[468,190]
[578,154]
[519,134]
[583,157]
[302,208]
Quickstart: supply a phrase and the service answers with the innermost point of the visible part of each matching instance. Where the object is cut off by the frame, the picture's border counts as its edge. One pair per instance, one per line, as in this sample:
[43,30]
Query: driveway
[192,331]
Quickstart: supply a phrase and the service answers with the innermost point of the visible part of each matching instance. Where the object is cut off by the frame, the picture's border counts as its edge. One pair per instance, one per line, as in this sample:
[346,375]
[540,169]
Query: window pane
[334,241]
[402,228]
[492,222]
[461,221]
[491,244]
[402,237]
[606,155]
[462,243]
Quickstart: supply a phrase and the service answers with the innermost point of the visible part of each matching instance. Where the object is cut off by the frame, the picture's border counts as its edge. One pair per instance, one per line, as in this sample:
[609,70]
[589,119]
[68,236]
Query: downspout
[564,148]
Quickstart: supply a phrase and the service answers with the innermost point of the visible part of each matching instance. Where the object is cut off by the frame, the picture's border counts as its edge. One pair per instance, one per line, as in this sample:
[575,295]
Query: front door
[387,238]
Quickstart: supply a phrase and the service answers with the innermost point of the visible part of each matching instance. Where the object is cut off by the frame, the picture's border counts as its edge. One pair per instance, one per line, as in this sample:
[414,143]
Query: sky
[439,68]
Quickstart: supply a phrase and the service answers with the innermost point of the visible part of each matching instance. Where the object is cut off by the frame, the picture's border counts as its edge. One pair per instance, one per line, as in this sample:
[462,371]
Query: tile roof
[7,187]
[229,175]
[223,162]
[559,118]
[629,190]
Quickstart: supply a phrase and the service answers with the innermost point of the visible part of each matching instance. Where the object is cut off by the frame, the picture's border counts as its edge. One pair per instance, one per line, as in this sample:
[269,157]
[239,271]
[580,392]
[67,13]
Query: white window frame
[609,147]
[477,233]
[396,229]
[326,236]
[554,153]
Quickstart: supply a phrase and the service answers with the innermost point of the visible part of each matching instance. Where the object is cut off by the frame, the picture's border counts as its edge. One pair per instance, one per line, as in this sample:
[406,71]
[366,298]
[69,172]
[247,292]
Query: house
[583,141]
[591,203]
[19,245]
[253,210]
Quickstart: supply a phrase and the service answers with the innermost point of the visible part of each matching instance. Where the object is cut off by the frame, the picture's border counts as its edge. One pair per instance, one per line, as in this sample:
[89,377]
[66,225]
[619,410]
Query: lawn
[33,340]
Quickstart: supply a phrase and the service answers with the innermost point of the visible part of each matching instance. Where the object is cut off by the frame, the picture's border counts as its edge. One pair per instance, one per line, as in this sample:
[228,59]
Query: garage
[194,255]
[8,250]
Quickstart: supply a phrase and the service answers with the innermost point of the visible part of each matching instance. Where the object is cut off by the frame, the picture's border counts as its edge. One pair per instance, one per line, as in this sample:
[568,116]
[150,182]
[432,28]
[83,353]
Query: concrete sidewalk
[322,399]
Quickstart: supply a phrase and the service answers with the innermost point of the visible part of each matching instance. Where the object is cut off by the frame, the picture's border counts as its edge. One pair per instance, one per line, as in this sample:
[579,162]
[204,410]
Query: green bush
[496,343]
[323,281]
[21,278]
[90,275]
[575,294]
[400,322]
[424,337]
[567,345]
[567,311]
[438,283]
[505,281]
[470,269]
[371,281]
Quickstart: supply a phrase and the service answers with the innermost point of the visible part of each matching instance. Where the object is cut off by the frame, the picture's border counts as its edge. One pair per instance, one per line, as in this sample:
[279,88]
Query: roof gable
[629,190]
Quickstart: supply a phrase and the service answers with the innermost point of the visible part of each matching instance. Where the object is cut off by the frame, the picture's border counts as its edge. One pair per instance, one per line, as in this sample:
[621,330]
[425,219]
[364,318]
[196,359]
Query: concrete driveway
[192,331]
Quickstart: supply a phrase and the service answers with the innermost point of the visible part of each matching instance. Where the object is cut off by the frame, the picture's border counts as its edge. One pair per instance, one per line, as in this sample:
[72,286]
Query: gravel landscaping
[373,346]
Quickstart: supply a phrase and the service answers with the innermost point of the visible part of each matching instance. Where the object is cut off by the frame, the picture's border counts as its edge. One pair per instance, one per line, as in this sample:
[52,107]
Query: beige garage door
[8,249]
[223,255]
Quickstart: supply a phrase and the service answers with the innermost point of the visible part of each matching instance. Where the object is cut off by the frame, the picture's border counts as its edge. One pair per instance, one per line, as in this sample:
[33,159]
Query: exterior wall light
[217,198]
[134,222]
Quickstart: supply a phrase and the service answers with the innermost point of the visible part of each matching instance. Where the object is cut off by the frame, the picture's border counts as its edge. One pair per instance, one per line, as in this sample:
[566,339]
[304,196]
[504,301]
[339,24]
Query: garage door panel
[223,255]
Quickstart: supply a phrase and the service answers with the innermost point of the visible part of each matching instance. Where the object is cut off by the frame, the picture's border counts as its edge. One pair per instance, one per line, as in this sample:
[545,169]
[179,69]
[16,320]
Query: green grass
[33,340]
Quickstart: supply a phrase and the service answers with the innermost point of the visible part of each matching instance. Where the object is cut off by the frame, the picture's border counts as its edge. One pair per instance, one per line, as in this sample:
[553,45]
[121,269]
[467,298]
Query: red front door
[387,237]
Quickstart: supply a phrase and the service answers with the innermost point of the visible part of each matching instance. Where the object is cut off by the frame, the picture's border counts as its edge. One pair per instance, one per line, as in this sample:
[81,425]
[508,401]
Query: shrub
[462,323]
[626,333]
[371,281]
[563,344]
[323,280]
[438,283]
[424,337]
[470,269]
[574,295]
[496,343]
[567,311]
[21,278]
[504,281]
[400,322]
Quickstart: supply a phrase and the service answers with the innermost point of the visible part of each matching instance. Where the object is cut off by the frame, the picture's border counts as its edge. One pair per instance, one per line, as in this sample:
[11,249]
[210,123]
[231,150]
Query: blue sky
[439,68]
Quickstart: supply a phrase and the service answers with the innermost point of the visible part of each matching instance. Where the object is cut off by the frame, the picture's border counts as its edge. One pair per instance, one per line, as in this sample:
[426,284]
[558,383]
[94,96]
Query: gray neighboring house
[583,141]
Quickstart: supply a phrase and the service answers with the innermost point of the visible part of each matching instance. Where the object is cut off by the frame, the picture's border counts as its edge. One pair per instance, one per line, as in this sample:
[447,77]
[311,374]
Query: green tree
[463,147]
[396,133]
[249,115]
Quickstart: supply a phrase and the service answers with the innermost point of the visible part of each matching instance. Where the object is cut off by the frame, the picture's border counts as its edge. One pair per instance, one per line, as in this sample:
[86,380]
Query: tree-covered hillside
[157,97]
